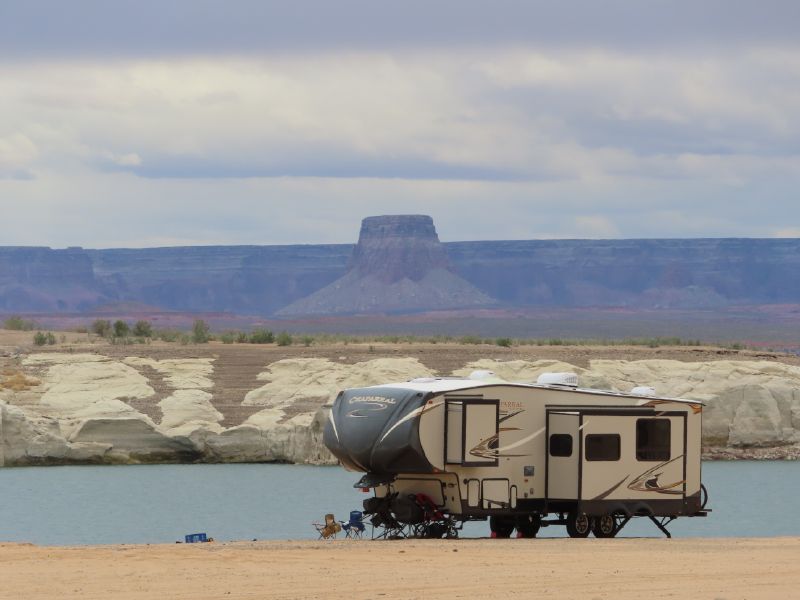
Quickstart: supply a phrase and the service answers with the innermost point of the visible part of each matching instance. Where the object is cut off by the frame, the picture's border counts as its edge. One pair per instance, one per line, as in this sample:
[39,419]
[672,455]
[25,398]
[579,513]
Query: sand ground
[622,569]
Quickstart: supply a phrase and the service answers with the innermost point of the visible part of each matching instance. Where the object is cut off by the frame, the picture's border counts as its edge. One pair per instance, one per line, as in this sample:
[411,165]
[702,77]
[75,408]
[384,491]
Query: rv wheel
[604,527]
[501,527]
[528,526]
[578,525]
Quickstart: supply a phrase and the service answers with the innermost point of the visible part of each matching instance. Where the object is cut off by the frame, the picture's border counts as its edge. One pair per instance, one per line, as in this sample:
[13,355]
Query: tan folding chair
[329,528]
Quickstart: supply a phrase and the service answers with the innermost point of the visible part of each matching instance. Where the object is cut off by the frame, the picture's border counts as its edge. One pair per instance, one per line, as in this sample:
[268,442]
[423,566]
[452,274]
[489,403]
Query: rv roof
[454,384]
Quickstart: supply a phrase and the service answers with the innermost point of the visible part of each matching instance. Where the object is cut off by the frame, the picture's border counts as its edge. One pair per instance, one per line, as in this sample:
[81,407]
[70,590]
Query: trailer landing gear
[662,524]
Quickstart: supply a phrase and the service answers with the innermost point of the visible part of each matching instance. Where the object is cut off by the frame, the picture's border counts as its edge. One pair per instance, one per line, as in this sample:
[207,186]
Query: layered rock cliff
[398,265]
[89,408]
[689,273]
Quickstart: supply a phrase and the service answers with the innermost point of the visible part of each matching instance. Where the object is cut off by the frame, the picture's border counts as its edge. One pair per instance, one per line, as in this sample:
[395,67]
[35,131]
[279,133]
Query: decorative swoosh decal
[333,424]
[611,489]
[414,413]
[484,449]
[648,481]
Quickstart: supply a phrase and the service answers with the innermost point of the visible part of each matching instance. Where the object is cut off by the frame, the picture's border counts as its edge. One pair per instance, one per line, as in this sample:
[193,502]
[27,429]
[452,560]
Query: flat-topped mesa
[395,247]
[398,265]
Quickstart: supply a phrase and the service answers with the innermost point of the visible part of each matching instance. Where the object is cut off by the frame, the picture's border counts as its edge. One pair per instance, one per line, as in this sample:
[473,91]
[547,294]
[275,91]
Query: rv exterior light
[565,379]
[643,390]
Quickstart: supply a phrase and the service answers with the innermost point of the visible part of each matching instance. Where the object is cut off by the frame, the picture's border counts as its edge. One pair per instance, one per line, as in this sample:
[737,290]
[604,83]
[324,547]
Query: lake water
[162,503]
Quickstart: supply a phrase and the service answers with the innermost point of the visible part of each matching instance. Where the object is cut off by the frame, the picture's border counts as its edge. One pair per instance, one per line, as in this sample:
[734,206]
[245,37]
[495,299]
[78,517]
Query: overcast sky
[194,122]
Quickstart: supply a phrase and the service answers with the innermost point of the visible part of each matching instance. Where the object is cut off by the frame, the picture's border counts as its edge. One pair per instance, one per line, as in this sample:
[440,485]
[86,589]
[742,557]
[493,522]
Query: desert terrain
[729,569]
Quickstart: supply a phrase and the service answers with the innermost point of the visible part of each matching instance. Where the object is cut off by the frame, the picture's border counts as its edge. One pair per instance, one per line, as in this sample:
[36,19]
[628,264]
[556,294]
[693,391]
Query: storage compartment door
[480,433]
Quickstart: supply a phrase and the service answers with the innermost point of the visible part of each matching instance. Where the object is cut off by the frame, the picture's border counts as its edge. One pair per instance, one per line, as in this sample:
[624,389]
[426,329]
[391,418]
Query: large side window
[602,446]
[561,444]
[653,439]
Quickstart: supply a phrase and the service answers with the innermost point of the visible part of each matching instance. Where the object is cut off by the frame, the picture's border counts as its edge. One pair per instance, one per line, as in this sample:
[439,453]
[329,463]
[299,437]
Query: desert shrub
[470,339]
[17,323]
[200,332]
[504,342]
[227,337]
[307,340]
[167,335]
[121,329]
[241,337]
[143,329]
[40,339]
[81,329]
[261,336]
[284,339]
[102,327]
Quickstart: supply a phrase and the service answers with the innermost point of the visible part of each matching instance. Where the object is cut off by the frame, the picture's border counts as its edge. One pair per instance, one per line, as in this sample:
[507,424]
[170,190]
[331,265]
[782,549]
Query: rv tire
[579,525]
[501,527]
[528,526]
[604,526]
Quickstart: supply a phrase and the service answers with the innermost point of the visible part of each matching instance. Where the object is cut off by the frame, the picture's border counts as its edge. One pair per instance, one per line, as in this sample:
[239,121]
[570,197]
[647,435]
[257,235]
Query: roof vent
[564,379]
[482,374]
[643,390]
[422,380]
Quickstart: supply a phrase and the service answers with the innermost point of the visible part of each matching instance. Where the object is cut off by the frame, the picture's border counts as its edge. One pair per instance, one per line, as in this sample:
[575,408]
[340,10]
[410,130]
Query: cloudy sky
[253,122]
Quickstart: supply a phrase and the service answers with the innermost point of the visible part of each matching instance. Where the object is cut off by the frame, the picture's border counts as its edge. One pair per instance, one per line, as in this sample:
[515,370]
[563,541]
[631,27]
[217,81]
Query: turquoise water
[162,503]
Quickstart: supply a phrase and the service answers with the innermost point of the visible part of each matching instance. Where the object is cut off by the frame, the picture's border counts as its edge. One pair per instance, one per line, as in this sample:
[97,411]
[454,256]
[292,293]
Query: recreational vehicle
[523,455]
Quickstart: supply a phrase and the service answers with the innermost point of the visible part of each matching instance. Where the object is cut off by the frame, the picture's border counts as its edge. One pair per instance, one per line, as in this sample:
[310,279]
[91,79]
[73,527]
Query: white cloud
[494,143]
[17,153]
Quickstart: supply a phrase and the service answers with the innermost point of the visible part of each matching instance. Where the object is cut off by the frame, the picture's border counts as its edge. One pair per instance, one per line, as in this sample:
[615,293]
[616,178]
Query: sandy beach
[554,568]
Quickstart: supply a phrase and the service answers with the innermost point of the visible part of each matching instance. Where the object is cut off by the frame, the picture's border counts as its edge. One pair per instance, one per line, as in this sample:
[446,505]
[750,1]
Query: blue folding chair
[354,528]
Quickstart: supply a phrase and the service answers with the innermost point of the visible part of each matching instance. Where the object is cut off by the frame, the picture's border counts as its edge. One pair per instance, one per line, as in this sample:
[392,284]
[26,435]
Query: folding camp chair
[355,527]
[329,528]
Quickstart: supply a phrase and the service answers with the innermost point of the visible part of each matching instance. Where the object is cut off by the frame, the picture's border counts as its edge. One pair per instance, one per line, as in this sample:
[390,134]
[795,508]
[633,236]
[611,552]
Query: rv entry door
[563,455]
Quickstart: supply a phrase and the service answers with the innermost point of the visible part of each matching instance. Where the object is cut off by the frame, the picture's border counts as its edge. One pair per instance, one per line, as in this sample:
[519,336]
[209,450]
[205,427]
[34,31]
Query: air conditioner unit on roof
[565,379]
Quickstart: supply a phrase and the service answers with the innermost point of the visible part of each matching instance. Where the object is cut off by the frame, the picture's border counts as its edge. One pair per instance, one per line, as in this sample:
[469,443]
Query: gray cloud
[144,124]
[153,28]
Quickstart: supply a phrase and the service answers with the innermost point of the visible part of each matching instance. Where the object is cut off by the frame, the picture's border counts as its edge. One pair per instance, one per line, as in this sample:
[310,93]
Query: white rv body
[518,452]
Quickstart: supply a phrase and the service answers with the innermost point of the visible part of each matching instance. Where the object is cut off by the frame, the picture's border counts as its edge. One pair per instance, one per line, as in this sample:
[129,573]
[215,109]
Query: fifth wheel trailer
[523,455]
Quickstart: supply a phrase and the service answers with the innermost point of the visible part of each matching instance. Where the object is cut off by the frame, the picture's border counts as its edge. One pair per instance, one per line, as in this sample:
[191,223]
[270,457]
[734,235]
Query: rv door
[563,455]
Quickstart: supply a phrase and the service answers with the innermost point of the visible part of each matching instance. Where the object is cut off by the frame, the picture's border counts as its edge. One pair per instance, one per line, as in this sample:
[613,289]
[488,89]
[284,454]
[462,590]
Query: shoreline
[754,568]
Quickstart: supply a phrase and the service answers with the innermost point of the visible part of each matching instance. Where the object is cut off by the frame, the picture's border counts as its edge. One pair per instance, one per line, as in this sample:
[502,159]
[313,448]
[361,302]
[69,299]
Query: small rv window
[561,444]
[602,446]
[652,439]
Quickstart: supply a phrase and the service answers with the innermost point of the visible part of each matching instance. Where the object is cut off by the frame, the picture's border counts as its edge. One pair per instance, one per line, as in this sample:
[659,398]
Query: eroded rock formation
[398,265]
[81,408]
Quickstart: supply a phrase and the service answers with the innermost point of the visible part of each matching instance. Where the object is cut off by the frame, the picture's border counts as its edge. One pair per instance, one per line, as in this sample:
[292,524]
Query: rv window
[561,444]
[652,439]
[602,446]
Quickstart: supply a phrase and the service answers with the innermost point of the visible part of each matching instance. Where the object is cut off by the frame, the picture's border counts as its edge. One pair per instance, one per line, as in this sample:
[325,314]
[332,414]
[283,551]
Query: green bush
[102,327]
[168,335]
[200,332]
[504,342]
[121,329]
[307,340]
[261,336]
[143,329]
[471,339]
[284,339]
[17,323]
[241,337]
[40,338]
[227,337]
